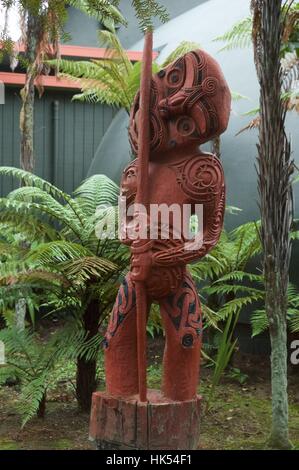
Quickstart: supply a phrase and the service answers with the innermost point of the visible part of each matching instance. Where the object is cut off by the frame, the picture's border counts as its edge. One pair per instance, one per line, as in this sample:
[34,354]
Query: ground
[238,416]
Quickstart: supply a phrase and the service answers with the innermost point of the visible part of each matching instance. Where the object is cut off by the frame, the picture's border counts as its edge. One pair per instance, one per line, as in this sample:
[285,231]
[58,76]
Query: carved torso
[195,179]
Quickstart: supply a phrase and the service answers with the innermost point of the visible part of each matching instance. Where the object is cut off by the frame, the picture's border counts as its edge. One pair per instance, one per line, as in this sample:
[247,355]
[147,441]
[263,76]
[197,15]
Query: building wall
[83,30]
[64,147]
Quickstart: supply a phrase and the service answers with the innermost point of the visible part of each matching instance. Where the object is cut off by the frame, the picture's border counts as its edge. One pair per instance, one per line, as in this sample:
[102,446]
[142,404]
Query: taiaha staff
[142,198]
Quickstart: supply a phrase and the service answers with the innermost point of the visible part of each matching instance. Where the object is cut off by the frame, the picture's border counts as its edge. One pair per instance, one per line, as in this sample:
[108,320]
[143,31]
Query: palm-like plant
[114,80]
[63,264]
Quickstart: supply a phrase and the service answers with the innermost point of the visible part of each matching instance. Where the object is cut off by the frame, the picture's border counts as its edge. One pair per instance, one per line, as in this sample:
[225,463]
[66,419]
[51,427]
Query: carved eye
[130,173]
[185,126]
[174,77]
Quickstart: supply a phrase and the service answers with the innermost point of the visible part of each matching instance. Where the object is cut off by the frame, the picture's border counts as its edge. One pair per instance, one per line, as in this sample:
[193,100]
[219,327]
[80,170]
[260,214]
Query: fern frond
[95,192]
[237,96]
[32,394]
[222,289]
[86,268]
[240,276]
[19,210]
[238,36]
[32,180]
[115,50]
[259,322]
[234,306]
[294,322]
[101,10]
[210,317]
[59,251]
[146,10]
[75,69]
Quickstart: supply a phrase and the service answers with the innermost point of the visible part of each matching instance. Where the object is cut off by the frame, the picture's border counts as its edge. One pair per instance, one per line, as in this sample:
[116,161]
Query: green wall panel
[64,148]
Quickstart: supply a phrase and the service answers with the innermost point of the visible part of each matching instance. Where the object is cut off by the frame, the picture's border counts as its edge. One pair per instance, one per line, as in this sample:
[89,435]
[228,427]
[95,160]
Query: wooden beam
[18,79]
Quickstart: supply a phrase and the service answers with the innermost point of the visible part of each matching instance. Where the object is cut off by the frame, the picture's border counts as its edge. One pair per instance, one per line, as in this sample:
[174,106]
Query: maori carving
[200,179]
[190,105]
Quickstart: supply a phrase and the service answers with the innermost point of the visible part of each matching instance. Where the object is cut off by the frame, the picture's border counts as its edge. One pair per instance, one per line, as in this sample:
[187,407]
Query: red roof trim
[90,52]
[10,78]
[18,79]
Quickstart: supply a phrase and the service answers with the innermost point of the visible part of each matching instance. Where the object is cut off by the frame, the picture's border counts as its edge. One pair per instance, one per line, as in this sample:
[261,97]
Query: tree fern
[64,265]
[34,361]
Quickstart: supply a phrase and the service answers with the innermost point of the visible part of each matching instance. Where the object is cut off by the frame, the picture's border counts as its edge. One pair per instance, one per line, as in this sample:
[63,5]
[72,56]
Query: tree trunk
[278,334]
[86,369]
[274,174]
[20,314]
[27,95]
[27,113]
[42,407]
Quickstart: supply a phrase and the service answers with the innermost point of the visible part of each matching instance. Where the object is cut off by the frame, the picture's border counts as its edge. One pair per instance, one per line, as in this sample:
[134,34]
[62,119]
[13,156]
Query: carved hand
[141,261]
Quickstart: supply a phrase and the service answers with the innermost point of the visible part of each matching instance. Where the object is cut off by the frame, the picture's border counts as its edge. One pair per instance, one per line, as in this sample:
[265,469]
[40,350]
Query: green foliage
[57,262]
[34,361]
[104,11]
[146,10]
[107,12]
[222,276]
[237,96]
[236,374]
[225,350]
[231,254]
[154,324]
[238,36]
[227,287]
[259,319]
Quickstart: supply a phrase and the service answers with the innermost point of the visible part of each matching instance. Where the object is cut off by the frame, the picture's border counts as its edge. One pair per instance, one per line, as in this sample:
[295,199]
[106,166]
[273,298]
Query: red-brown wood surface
[142,198]
[189,105]
[157,424]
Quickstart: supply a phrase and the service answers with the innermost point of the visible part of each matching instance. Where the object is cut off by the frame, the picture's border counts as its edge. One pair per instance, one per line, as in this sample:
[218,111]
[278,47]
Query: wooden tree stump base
[160,423]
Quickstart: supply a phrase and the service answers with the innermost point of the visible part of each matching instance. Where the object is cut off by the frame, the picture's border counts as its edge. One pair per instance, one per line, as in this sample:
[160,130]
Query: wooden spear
[142,198]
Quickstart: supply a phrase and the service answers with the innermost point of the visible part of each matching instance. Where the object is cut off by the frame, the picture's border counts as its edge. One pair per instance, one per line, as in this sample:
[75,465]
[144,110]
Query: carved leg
[121,344]
[181,314]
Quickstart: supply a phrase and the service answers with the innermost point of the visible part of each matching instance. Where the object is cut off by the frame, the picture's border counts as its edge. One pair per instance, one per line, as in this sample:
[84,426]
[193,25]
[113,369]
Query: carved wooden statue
[189,105]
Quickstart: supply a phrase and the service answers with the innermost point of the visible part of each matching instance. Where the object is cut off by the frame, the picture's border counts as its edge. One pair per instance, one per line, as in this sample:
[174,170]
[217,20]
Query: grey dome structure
[203,24]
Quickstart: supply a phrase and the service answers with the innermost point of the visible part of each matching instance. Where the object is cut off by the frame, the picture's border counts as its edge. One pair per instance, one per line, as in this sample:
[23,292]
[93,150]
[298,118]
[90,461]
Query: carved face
[190,102]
